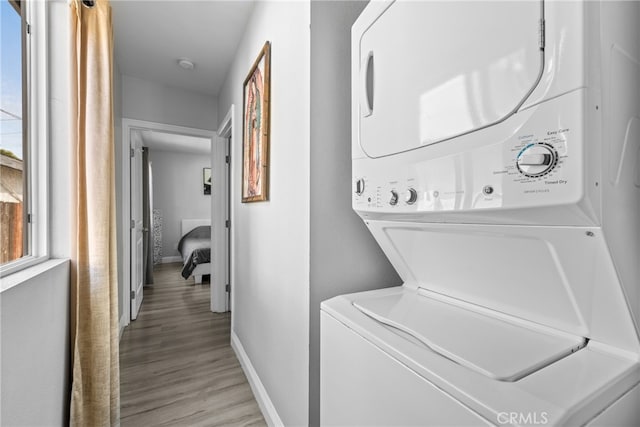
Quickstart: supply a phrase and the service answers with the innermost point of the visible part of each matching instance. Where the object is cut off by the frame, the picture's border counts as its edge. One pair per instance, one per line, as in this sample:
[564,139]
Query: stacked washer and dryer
[496,161]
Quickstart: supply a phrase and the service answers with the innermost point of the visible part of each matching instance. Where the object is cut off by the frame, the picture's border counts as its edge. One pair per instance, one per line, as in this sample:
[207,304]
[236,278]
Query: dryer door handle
[366,77]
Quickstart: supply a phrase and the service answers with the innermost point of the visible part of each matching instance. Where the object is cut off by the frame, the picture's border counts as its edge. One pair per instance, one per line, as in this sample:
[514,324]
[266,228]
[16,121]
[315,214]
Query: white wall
[344,256]
[154,102]
[34,344]
[270,277]
[34,305]
[178,193]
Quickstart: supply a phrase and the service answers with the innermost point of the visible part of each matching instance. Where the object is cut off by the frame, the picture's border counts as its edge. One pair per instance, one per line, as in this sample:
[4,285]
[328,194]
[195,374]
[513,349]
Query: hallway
[176,365]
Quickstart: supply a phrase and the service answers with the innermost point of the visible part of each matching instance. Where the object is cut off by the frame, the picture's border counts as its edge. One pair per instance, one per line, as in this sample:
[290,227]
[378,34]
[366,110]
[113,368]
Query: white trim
[170,259]
[219,201]
[20,264]
[39,162]
[219,210]
[29,274]
[36,199]
[226,126]
[122,323]
[127,126]
[259,392]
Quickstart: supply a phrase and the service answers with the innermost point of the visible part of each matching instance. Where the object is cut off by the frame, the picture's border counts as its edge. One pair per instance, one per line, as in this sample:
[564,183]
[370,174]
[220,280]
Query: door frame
[137,225]
[224,184]
[128,125]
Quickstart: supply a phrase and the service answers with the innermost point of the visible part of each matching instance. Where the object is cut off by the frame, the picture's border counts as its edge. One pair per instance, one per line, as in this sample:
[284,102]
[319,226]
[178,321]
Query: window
[22,135]
[13,174]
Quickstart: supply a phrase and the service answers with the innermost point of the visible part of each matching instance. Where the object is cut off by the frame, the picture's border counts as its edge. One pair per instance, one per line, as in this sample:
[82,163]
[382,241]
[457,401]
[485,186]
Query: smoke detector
[186,63]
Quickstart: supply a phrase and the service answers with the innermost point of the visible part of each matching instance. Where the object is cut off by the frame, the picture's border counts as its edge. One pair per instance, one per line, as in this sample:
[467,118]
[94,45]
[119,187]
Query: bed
[195,248]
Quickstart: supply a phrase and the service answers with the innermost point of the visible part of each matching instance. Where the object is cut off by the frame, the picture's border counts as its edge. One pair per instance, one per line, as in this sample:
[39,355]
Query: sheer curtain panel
[94,305]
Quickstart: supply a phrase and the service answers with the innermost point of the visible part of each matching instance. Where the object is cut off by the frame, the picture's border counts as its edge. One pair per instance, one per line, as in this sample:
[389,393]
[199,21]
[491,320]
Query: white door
[137,233]
[430,71]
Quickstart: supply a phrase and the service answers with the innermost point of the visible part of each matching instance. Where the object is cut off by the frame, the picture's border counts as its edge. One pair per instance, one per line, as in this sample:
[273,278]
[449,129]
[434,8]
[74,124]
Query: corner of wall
[339,238]
[262,397]
[276,232]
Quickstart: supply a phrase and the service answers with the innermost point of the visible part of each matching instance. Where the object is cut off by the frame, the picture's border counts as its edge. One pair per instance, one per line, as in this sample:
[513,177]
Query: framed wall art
[255,129]
[206,180]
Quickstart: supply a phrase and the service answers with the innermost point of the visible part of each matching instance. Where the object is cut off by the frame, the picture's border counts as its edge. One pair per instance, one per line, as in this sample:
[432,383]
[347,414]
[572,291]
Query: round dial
[411,196]
[360,187]
[537,160]
[393,200]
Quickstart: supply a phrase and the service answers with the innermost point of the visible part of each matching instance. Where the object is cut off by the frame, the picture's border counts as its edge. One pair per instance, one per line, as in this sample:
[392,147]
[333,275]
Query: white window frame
[37,147]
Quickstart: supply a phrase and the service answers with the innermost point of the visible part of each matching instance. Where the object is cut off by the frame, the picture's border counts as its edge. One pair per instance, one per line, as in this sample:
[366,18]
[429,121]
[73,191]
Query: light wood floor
[176,365]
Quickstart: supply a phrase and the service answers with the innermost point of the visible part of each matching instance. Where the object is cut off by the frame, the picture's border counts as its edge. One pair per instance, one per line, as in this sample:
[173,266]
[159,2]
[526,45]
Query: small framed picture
[206,180]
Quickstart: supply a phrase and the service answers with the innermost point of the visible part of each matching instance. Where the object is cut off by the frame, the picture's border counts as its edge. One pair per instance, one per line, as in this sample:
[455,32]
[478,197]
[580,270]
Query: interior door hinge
[133,224]
[28,28]
[227,224]
[542,36]
[132,152]
[29,219]
[227,159]
[133,294]
[227,288]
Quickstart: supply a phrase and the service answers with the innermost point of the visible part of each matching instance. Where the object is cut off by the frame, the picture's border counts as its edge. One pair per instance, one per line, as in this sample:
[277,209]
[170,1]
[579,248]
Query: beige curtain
[95,392]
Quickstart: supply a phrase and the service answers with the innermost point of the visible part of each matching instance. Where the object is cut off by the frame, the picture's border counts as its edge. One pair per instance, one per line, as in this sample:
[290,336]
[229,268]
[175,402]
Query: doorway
[131,293]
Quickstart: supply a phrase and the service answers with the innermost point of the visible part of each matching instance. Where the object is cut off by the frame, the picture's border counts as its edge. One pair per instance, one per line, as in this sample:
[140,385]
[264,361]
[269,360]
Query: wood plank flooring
[177,367]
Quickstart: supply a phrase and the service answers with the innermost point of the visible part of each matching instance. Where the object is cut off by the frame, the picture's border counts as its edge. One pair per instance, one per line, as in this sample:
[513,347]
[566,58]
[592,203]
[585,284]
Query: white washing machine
[496,160]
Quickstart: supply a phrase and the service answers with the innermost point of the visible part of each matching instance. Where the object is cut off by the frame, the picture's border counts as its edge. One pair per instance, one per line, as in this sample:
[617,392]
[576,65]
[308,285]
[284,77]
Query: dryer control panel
[534,159]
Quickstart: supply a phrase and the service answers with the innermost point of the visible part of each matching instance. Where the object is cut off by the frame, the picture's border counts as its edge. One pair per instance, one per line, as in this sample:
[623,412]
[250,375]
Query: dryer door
[430,71]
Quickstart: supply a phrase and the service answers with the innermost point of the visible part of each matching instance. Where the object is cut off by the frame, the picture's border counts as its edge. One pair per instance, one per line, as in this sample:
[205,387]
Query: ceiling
[151,35]
[164,141]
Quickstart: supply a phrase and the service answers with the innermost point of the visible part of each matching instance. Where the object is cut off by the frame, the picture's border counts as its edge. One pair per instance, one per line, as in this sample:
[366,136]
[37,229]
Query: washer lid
[430,71]
[499,346]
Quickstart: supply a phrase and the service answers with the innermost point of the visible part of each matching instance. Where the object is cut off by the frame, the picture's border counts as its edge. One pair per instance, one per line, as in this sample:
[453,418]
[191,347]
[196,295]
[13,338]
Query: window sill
[15,279]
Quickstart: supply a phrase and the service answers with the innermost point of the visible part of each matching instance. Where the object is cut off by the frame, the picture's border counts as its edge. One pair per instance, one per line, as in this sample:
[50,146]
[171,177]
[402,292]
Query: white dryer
[496,160]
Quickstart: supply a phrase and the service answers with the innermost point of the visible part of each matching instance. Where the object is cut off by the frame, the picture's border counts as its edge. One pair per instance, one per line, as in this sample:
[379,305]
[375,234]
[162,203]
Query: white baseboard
[122,323]
[262,397]
[170,259]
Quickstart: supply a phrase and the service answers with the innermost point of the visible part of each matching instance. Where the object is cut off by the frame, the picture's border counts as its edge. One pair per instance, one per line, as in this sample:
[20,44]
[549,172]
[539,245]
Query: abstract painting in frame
[255,129]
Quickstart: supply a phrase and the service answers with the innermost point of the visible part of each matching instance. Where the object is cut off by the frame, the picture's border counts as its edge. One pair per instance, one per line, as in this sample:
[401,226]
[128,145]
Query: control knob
[394,198]
[360,187]
[536,160]
[411,196]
